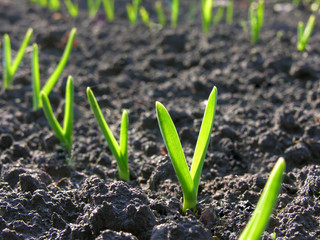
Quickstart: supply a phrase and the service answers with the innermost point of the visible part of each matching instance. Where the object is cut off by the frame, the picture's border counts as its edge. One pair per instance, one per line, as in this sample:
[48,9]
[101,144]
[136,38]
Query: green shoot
[260,217]
[120,152]
[108,6]
[43,3]
[132,10]
[229,14]
[160,14]
[206,9]
[72,8]
[37,103]
[219,15]
[54,5]
[93,7]
[304,33]
[64,134]
[174,13]
[189,180]
[10,68]
[256,19]
[145,16]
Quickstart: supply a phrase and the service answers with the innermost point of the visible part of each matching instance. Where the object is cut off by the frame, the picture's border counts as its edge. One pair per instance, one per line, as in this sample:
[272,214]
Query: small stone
[268,141]
[298,154]
[6,141]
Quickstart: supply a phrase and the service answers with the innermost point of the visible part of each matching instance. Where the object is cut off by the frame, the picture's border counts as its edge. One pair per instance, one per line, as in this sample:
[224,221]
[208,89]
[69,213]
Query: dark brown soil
[268,106]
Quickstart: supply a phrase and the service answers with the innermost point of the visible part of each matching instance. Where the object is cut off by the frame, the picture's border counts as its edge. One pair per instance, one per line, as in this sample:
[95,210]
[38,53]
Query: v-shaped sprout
[10,68]
[120,152]
[37,104]
[304,33]
[260,217]
[64,134]
[132,11]
[189,180]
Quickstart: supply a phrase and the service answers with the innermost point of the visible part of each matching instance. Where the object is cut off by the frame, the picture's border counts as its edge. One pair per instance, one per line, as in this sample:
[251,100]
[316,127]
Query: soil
[268,106]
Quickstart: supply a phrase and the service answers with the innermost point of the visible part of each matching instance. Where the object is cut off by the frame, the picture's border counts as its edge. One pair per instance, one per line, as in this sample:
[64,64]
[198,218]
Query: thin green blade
[57,72]
[173,144]
[174,13]
[21,51]
[203,138]
[6,61]
[68,111]
[108,6]
[53,122]
[35,72]
[124,146]
[260,217]
[308,30]
[112,142]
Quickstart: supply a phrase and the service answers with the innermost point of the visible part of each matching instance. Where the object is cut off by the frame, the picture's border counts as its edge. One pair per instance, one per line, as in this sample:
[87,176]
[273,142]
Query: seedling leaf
[57,72]
[260,217]
[119,152]
[203,139]
[305,33]
[63,134]
[37,102]
[9,69]
[173,144]
[189,180]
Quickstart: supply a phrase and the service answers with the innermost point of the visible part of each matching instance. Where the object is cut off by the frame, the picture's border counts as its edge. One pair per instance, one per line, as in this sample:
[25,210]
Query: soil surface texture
[268,106]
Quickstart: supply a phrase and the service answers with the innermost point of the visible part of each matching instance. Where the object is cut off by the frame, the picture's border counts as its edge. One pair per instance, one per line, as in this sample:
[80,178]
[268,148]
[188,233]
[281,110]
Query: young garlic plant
[37,103]
[260,217]
[64,133]
[189,180]
[304,33]
[9,67]
[120,152]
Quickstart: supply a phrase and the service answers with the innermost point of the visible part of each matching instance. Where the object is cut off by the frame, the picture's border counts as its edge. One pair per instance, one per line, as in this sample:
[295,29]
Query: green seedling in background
[256,13]
[160,14]
[43,3]
[93,7]
[145,16]
[260,217]
[304,33]
[218,16]
[206,10]
[72,8]
[64,134]
[120,152]
[132,10]
[54,5]
[174,13]
[108,6]
[189,180]
[37,103]
[229,14]
[10,68]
